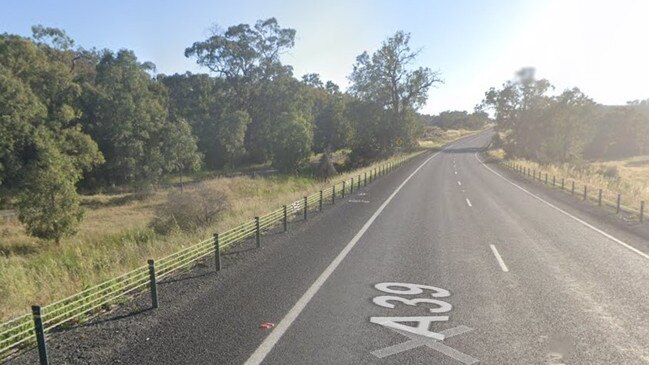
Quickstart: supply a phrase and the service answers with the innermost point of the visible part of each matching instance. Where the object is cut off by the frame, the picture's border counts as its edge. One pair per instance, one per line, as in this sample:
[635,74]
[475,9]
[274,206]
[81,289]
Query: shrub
[326,168]
[611,172]
[197,207]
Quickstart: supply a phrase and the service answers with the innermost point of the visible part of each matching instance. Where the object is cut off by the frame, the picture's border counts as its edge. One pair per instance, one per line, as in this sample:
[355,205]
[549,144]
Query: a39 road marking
[421,334]
[419,341]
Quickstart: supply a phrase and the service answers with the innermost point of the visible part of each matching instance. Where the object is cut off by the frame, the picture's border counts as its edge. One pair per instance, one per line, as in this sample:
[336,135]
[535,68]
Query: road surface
[444,261]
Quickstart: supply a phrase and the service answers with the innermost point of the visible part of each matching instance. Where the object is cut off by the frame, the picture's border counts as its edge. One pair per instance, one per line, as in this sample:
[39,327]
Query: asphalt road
[444,261]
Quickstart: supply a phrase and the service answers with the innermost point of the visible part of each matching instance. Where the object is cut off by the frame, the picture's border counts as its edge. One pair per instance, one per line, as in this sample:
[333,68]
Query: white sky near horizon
[599,46]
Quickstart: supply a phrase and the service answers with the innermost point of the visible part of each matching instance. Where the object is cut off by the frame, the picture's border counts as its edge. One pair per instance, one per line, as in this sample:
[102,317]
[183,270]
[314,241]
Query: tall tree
[248,59]
[388,79]
[126,112]
[517,108]
[38,92]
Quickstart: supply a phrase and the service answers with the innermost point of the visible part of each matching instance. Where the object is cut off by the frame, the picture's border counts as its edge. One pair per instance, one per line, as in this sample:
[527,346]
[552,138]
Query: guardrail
[30,329]
[601,196]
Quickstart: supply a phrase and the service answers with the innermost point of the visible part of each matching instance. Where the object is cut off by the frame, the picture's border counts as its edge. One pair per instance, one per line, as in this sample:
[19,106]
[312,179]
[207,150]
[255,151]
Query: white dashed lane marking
[499,259]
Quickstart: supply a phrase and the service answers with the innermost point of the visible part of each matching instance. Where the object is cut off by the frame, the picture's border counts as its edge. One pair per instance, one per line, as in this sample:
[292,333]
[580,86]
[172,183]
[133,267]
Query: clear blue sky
[598,46]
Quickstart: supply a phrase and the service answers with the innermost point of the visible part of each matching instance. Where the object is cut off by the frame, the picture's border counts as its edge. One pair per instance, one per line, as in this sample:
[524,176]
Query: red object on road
[267,325]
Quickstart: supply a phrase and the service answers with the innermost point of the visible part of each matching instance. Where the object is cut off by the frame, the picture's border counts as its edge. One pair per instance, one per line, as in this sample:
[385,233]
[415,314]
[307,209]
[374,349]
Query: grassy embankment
[629,177]
[449,135]
[115,237]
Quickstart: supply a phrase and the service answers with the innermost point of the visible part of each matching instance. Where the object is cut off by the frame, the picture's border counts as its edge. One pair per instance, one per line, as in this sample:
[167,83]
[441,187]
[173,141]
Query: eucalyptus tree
[248,59]
[126,113]
[390,80]
[43,150]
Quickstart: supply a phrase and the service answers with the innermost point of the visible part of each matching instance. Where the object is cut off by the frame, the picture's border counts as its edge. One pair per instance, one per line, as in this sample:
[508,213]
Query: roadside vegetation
[121,231]
[629,177]
[569,135]
[105,163]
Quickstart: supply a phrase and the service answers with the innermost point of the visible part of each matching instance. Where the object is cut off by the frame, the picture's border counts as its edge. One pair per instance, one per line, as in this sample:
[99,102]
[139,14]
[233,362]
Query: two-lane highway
[526,283]
[444,261]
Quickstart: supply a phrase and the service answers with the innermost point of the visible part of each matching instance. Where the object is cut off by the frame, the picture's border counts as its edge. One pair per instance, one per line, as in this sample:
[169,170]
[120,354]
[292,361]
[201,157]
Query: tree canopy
[74,118]
[567,127]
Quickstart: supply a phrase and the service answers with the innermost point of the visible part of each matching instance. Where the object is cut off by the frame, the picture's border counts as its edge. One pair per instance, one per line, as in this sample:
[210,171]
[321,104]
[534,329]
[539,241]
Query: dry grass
[629,177]
[449,135]
[495,154]
[115,237]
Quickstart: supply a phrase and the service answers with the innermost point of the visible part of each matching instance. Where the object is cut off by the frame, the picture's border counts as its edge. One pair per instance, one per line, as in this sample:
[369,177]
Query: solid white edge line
[468,202]
[586,224]
[499,258]
[269,342]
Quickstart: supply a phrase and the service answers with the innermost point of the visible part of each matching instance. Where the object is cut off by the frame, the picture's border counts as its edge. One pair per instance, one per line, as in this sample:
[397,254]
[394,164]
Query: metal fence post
[546,178]
[217,252]
[320,200]
[534,175]
[599,198]
[351,186]
[562,183]
[641,211]
[153,285]
[573,188]
[306,207]
[257,232]
[619,197]
[333,194]
[343,191]
[285,219]
[585,191]
[365,179]
[359,181]
[39,331]
[554,180]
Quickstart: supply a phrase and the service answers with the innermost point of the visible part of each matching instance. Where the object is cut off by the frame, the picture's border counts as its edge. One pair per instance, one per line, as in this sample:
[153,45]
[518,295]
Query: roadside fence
[32,328]
[601,197]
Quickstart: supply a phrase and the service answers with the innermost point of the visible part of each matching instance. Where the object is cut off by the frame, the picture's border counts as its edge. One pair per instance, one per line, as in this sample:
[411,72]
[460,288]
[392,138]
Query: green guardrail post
[217,252]
[39,331]
[641,211]
[365,179]
[343,191]
[320,208]
[617,208]
[599,198]
[257,232]
[153,285]
[285,219]
[306,207]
